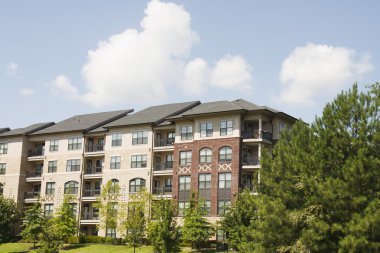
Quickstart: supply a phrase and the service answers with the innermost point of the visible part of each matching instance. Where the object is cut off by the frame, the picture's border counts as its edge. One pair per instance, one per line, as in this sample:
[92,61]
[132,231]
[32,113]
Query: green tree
[34,221]
[163,232]
[10,215]
[321,191]
[133,218]
[196,229]
[107,204]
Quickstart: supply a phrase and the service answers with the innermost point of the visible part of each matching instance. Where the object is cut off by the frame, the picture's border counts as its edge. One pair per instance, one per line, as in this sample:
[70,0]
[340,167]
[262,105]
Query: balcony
[93,172]
[163,168]
[36,154]
[95,148]
[90,218]
[257,135]
[164,144]
[33,176]
[250,163]
[91,193]
[31,197]
[165,191]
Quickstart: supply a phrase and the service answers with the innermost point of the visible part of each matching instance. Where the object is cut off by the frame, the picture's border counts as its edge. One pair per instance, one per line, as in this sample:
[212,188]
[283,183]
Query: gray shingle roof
[5,129]
[85,122]
[27,130]
[153,114]
[212,107]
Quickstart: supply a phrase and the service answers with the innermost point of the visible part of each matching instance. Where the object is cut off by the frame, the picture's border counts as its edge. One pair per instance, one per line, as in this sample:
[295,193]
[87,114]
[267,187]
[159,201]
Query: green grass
[84,248]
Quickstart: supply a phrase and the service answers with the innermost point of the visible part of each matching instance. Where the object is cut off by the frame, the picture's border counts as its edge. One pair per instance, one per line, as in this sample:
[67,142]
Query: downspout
[81,185]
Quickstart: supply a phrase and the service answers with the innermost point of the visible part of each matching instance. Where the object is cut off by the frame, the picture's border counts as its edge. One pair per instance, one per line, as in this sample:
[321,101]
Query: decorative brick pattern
[224,167]
[184,170]
[204,168]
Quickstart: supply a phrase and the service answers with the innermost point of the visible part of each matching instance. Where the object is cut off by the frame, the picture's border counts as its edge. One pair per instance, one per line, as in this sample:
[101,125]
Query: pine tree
[34,221]
[196,229]
[163,232]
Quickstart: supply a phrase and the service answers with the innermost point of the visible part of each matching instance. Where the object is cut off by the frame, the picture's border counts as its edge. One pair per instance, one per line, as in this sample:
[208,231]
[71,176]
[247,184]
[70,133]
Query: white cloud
[148,64]
[63,84]
[11,69]
[27,92]
[315,70]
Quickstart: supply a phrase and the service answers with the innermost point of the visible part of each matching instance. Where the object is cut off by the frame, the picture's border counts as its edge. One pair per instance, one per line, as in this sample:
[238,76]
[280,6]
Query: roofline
[39,128]
[192,105]
[208,113]
[4,129]
[108,120]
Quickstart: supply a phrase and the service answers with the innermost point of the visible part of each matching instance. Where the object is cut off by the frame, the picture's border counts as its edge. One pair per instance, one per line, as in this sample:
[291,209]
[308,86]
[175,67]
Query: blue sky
[59,59]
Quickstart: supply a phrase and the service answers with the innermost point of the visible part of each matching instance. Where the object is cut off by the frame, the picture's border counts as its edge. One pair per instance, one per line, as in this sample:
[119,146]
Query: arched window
[1,189]
[205,155]
[225,154]
[136,184]
[114,188]
[71,187]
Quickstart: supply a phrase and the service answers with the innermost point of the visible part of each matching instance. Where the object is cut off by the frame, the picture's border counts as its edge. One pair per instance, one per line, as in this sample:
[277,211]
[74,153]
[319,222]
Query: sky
[64,58]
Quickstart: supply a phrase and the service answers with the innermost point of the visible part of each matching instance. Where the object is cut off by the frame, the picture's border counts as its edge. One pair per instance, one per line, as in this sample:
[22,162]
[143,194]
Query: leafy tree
[133,218]
[163,232]
[10,215]
[107,205]
[321,191]
[34,221]
[196,229]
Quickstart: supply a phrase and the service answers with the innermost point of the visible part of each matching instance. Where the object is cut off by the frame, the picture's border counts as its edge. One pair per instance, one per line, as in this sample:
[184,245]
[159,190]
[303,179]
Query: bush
[94,240]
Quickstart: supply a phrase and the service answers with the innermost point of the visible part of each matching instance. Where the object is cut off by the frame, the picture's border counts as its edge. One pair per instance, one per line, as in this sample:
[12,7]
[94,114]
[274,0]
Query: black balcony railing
[90,216]
[257,134]
[164,142]
[91,192]
[33,173]
[95,148]
[31,195]
[163,166]
[162,190]
[93,170]
[36,152]
[250,161]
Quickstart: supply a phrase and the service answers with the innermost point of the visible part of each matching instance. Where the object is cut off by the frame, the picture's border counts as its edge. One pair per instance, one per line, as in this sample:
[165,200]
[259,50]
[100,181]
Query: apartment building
[212,149]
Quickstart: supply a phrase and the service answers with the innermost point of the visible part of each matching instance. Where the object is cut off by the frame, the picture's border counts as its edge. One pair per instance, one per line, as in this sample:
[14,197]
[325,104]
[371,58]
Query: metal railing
[93,170]
[162,190]
[33,173]
[95,148]
[91,193]
[250,161]
[257,134]
[164,142]
[163,166]
[90,216]
[35,152]
[31,195]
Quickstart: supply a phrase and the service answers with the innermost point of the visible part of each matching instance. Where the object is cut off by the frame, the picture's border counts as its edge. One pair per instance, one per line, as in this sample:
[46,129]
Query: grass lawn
[83,248]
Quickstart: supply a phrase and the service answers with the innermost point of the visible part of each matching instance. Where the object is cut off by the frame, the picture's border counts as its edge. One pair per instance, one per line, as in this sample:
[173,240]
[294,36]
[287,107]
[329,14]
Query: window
[74,209]
[116,139]
[185,158]
[94,231]
[75,143]
[226,127]
[3,166]
[171,138]
[54,145]
[206,129]
[220,235]
[207,207]
[224,181]
[182,206]
[52,166]
[222,205]
[187,133]
[48,210]
[138,161]
[73,165]
[3,148]
[71,187]
[115,162]
[205,155]
[184,183]
[139,137]
[169,162]
[1,189]
[114,186]
[50,188]
[204,181]
[111,232]
[136,184]
[225,154]
[168,184]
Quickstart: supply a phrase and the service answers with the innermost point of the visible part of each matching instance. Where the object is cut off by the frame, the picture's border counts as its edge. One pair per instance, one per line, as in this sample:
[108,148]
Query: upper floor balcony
[165,168]
[164,140]
[165,191]
[36,154]
[34,176]
[257,135]
[94,146]
[31,197]
[93,172]
[250,163]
